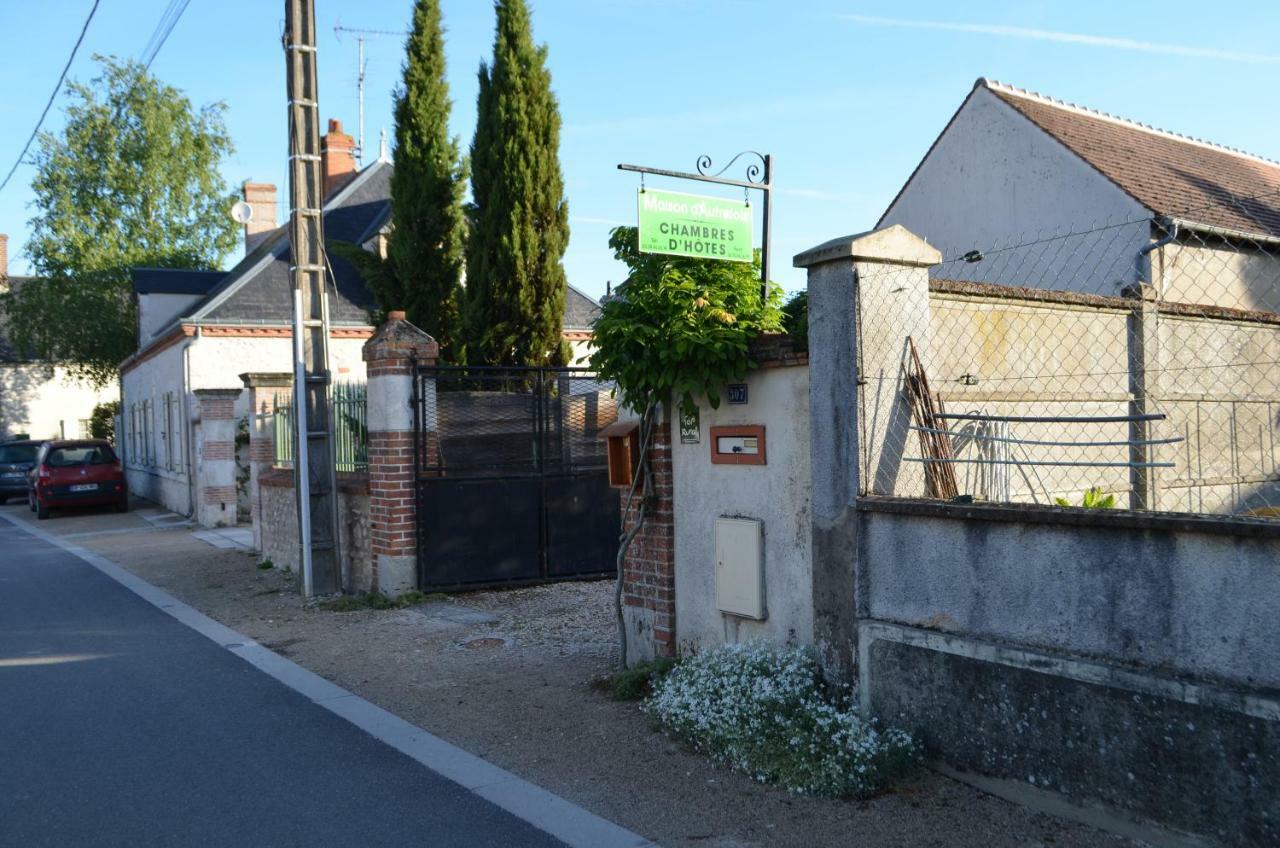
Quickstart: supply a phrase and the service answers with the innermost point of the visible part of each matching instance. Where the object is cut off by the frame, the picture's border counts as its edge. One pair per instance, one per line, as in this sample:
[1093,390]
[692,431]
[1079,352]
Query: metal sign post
[314,478]
[758,177]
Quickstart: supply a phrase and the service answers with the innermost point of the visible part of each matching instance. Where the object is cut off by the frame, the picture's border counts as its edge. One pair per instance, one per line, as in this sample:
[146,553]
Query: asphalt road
[121,726]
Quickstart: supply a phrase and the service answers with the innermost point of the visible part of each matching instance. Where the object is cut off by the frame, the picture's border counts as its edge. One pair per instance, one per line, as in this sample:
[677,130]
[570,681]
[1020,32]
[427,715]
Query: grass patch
[266,565]
[766,712]
[379,601]
[634,683]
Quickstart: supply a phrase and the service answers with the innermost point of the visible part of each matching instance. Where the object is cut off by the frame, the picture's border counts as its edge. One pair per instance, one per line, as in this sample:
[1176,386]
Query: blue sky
[847,96]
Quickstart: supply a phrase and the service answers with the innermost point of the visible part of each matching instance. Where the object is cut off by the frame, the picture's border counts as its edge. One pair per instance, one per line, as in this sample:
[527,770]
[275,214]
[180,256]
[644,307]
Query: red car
[80,472]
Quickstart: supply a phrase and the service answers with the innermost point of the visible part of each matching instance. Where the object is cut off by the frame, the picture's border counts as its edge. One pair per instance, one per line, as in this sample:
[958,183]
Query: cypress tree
[519,217]
[425,250]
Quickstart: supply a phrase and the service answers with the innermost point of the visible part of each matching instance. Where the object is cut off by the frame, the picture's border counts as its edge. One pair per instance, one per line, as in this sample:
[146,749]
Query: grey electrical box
[739,544]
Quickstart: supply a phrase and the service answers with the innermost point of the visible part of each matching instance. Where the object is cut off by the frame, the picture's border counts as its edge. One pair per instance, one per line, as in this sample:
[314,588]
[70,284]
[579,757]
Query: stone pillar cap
[254,379]
[895,245]
[398,339]
[216,393]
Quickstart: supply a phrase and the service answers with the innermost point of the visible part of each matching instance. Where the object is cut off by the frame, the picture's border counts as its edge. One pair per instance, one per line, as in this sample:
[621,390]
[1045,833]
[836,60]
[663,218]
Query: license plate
[84,487]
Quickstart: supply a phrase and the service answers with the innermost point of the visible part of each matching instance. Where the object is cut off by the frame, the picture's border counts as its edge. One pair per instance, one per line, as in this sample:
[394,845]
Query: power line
[62,78]
[168,21]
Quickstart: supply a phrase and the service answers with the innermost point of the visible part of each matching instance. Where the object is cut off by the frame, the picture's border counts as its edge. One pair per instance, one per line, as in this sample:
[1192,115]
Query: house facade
[1057,196]
[41,400]
[185,411]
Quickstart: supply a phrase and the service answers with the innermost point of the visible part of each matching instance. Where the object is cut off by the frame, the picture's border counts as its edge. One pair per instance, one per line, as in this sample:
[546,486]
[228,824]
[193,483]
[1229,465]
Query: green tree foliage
[795,318]
[680,326]
[132,180]
[425,252]
[102,421]
[519,217]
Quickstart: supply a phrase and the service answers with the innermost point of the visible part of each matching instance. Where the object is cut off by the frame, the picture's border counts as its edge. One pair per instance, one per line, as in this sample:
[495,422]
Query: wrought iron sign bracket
[759,176]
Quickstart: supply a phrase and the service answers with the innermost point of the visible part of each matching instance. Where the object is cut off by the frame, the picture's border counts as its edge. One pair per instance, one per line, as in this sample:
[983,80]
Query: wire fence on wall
[350,428]
[1138,359]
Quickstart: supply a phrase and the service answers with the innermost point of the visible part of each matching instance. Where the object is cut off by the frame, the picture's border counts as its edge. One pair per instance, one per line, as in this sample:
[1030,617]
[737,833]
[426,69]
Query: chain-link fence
[1138,359]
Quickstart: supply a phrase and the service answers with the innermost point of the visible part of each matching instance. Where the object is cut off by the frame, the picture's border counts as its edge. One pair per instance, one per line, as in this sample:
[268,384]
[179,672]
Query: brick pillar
[216,460]
[392,509]
[263,389]
[649,570]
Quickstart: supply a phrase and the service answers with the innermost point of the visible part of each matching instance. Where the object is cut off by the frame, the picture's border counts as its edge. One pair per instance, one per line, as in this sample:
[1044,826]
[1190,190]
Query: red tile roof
[1172,175]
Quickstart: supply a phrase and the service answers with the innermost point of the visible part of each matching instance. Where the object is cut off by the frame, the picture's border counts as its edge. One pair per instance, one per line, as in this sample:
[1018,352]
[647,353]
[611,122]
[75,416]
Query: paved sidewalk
[129,726]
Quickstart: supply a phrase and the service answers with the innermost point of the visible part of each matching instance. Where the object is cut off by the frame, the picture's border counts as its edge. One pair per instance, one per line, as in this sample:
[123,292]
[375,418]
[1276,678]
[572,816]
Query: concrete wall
[1197,270]
[279,510]
[1000,350]
[45,402]
[777,494]
[994,179]
[1124,660]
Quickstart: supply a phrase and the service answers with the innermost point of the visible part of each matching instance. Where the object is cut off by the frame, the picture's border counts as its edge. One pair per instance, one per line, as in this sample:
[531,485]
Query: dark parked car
[16,459]
[80,472]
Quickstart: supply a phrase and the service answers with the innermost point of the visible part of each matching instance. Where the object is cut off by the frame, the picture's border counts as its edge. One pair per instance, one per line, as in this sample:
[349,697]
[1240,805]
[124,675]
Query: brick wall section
[219,450]
[777,350]
[217,409]
[219,494]
[391,508]
[262,449]
[649,571]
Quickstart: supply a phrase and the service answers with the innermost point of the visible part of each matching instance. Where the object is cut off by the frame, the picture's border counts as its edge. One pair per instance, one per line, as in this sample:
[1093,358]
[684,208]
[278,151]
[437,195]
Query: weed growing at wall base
[765,712]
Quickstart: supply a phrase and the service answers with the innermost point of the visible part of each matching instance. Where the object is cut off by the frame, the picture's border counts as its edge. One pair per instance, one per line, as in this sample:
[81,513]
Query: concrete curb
[545,810]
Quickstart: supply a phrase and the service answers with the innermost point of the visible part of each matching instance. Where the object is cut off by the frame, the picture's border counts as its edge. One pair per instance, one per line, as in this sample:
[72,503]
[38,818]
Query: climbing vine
[680,327]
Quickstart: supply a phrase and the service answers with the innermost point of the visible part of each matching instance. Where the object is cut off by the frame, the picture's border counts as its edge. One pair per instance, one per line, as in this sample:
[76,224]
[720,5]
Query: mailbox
[741,445]
[623,444]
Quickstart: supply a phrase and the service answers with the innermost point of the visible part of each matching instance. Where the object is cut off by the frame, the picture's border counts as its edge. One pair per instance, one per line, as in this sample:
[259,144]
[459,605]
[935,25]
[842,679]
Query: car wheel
[31,502]
[123,505]
[42,511]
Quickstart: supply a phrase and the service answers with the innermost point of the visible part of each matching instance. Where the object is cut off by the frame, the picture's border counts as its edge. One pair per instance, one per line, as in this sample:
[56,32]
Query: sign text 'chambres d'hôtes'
[694,225]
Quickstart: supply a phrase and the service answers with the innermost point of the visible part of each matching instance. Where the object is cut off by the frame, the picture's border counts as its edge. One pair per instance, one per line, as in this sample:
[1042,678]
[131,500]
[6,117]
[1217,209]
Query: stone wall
[1124,660]
[279,510]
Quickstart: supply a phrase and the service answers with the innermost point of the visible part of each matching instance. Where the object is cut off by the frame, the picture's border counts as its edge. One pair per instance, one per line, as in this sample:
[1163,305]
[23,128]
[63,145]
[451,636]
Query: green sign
[694,225]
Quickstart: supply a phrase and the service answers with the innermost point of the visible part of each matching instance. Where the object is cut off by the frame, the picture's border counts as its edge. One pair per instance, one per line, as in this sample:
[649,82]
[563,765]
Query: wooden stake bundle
[939,476]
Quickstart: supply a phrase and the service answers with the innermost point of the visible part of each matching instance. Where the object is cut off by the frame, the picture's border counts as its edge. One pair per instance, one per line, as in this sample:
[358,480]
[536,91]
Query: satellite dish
[242,213]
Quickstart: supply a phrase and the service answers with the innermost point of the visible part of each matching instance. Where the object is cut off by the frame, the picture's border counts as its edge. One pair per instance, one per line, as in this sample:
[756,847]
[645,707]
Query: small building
[38,399]
[1058,196]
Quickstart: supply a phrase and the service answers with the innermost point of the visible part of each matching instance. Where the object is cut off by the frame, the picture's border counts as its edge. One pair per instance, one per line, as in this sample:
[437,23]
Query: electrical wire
[61,79]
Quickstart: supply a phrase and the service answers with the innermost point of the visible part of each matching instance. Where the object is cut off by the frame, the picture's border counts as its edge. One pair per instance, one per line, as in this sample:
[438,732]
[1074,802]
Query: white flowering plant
[766,712]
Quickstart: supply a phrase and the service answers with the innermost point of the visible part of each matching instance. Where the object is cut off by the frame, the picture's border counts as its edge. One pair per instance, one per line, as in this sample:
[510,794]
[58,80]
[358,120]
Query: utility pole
[314,478]
[361,67]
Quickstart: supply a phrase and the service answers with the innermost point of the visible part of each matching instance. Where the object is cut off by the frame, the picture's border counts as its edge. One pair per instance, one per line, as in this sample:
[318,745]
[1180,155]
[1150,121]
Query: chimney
[4,257]
[337,157]
[261,197]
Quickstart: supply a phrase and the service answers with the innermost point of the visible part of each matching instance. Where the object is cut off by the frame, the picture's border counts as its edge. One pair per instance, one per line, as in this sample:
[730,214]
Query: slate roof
[1172,175]
[175,280]
[258,290]
[580,311]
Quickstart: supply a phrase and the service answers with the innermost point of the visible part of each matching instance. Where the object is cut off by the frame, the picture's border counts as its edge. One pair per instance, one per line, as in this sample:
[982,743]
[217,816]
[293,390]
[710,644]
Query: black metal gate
[512,483]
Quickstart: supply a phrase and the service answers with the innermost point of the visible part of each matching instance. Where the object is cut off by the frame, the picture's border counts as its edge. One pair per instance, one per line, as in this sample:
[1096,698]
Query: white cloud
[1069,38]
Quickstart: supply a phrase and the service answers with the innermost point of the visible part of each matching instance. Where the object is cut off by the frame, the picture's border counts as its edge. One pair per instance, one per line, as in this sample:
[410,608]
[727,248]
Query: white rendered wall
[44,402]
[995,179]
[149,381]
[776,493]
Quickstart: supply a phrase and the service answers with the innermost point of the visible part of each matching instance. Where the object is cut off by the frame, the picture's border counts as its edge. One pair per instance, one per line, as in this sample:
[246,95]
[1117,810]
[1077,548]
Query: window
[86,455]
[171,431]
